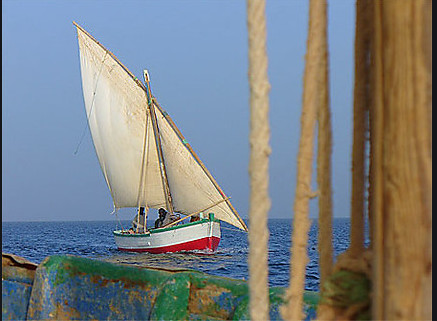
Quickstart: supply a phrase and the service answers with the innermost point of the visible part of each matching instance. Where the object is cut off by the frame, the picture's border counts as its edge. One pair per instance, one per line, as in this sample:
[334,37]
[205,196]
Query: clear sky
[196,53]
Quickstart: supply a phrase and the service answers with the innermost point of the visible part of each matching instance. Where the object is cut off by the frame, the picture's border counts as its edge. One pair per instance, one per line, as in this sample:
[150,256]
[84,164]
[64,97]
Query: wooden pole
[401,162]
[164,178]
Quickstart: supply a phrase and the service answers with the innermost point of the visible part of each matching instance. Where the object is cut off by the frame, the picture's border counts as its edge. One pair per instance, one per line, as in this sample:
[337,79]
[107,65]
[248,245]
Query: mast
[158,144]
[143,174]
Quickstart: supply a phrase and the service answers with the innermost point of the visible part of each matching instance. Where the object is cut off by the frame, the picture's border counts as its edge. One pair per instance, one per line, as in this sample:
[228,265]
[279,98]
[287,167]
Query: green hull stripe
[165,229]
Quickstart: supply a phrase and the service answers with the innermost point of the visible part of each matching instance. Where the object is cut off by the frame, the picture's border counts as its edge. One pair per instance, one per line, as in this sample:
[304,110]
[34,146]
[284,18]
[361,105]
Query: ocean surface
[37,240]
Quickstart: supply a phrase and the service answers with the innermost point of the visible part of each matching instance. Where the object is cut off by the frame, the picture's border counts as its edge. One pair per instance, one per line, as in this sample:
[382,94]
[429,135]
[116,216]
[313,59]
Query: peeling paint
[70,287]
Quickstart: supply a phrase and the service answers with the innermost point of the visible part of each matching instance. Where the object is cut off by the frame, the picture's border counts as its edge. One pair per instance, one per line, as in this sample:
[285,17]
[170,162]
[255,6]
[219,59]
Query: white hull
[203,235]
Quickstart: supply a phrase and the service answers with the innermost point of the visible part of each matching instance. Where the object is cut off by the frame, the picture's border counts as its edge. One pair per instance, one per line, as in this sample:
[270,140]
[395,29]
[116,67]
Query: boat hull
[202,236]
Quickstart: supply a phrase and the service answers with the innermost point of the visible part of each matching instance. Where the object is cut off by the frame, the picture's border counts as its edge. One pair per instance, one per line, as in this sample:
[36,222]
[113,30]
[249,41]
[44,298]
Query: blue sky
[196,54]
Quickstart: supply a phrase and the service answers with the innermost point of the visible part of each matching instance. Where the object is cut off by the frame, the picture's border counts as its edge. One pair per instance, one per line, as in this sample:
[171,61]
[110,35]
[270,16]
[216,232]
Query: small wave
[313,276]
[218,269]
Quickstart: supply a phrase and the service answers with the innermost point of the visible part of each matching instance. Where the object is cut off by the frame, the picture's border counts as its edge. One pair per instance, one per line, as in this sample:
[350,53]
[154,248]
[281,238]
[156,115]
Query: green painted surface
[172,300]
[66,266]
[70,287]
[164,229]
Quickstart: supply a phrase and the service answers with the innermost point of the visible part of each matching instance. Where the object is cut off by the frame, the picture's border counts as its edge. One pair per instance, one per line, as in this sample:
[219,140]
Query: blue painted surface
[16,290]
[65,288]
[69,287]
[15,300]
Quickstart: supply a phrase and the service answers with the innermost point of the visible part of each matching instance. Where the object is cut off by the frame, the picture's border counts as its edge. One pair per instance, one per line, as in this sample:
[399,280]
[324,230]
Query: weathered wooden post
[401,160]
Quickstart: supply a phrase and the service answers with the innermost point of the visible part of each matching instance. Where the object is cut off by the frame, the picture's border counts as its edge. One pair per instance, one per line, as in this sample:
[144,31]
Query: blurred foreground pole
[401,160]
[314,96]
[259,204]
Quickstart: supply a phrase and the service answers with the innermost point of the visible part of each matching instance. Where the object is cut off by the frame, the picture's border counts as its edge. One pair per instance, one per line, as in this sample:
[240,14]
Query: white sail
[117,115]
[191,187]
[124,139]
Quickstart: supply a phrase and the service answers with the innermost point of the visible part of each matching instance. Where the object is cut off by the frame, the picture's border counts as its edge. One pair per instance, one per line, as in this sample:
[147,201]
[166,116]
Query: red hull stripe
[206,243]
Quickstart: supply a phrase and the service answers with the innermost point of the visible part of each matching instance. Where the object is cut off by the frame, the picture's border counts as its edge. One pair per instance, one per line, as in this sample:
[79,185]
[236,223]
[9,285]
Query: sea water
[37,240]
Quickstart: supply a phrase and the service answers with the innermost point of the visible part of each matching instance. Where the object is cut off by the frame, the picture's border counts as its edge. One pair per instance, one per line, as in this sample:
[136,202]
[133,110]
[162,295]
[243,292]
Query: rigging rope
[361,108]
[342,296]
[292,310]
[324,152]
[259,205]
[92,105]
[119,221]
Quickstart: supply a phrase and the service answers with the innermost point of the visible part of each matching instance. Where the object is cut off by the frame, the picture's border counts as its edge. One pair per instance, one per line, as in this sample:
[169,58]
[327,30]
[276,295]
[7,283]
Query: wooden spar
[205,209]
[187,145]
[135,79]
[151,108]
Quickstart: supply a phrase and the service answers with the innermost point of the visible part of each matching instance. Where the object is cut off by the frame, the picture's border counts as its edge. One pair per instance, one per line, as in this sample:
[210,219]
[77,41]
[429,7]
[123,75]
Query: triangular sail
[191,186]
[117,115]
[124,140]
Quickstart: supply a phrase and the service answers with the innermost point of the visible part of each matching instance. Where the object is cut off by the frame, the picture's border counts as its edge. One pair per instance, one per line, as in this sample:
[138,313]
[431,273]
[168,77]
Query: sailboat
[146,161]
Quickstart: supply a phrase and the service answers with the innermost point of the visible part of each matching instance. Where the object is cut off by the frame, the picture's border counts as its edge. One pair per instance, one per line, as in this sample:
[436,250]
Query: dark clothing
[159,223]
[160,220]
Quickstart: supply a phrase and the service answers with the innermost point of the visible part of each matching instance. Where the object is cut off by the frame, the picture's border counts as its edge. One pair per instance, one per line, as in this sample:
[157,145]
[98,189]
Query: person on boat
[195,218]
[139,221]
[165,218]
[162,216]
[170,218]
